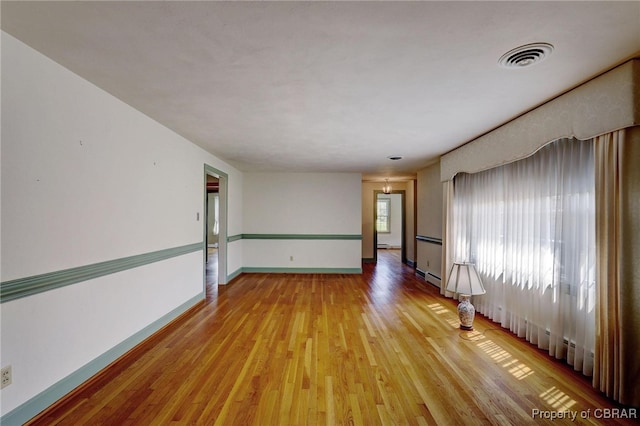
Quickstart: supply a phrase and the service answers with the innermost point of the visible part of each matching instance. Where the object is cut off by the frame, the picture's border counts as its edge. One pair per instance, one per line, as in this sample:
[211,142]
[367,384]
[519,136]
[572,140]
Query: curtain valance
[607,103]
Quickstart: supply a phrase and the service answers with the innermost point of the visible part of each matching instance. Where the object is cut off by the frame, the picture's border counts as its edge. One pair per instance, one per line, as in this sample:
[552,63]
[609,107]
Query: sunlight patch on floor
[494,351]
[451,318]
[518,369]
[557,399]
[438,308]
[474,336]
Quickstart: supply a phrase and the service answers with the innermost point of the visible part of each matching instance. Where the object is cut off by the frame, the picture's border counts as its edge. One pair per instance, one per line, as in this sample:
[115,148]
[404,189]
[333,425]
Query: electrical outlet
[6,376]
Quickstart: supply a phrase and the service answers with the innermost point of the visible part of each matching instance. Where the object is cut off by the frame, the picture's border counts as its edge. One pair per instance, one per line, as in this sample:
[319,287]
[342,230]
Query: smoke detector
[525,56]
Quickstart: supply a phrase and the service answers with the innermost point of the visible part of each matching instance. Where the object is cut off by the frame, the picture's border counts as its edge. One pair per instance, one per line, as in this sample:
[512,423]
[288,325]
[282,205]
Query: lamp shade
[464,279]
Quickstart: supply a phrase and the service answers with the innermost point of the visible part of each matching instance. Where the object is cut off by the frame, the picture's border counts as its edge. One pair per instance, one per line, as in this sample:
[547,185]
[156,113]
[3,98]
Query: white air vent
[526,55]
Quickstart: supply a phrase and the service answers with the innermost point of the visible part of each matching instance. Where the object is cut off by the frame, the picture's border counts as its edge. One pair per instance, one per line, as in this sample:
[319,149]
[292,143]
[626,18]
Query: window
[529,227]
[383,215]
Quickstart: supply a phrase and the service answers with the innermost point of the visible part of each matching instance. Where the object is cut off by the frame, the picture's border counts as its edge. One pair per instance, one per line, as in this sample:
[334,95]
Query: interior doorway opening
[215,229]
[389,226]
[212,233]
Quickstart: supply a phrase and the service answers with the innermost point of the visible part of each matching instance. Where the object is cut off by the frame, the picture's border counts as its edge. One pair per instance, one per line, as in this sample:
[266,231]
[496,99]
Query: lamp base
[466,312]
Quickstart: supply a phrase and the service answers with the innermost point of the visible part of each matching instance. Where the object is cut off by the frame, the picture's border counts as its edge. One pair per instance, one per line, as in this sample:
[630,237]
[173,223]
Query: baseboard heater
[566,342]
[433,279]
[429,277]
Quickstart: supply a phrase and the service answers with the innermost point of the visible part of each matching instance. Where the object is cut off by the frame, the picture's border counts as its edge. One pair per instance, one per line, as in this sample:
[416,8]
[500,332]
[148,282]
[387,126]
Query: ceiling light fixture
[387,187]
[525,56]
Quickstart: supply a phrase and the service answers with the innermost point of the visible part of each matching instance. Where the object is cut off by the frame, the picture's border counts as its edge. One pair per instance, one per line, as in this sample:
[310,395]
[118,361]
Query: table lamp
[465,281]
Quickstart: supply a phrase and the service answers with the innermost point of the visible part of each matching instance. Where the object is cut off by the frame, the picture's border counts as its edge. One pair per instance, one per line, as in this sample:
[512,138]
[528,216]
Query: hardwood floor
[378,348]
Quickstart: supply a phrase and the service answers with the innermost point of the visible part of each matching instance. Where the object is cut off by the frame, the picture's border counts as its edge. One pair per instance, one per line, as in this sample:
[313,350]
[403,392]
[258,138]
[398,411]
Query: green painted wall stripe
[44,399]
[432,240]
[296,237]
[234,238]
[302,236]
[250,269]
[23,287]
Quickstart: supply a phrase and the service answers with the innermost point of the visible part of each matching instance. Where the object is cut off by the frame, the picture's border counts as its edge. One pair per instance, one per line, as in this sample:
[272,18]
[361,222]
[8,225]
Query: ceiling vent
[525,56]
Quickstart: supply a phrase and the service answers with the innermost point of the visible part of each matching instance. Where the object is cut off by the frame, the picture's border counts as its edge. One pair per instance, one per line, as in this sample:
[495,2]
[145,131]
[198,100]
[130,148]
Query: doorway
[215,228]
[389,234]
[213,231]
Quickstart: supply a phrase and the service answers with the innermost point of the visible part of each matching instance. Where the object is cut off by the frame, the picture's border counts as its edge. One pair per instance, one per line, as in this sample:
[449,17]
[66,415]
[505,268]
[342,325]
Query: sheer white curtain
[529,227]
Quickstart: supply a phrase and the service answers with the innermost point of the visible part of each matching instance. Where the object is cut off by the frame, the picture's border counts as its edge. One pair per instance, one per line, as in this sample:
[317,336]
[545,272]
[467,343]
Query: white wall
[233,216]
[85,179]
[302,203]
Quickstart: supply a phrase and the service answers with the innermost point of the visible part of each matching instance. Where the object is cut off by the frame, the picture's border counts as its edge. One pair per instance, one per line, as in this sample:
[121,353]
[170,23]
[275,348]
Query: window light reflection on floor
[557,399]
[438,308]
[494,351]
[518,369]
[450,317]
[474,335]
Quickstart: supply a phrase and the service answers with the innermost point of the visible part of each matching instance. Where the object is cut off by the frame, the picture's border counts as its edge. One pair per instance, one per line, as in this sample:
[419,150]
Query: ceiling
[328,86]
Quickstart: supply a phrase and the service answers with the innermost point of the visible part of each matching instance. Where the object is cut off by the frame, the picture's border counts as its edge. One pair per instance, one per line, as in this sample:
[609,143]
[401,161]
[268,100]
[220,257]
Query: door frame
[223,209]
[403,244]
